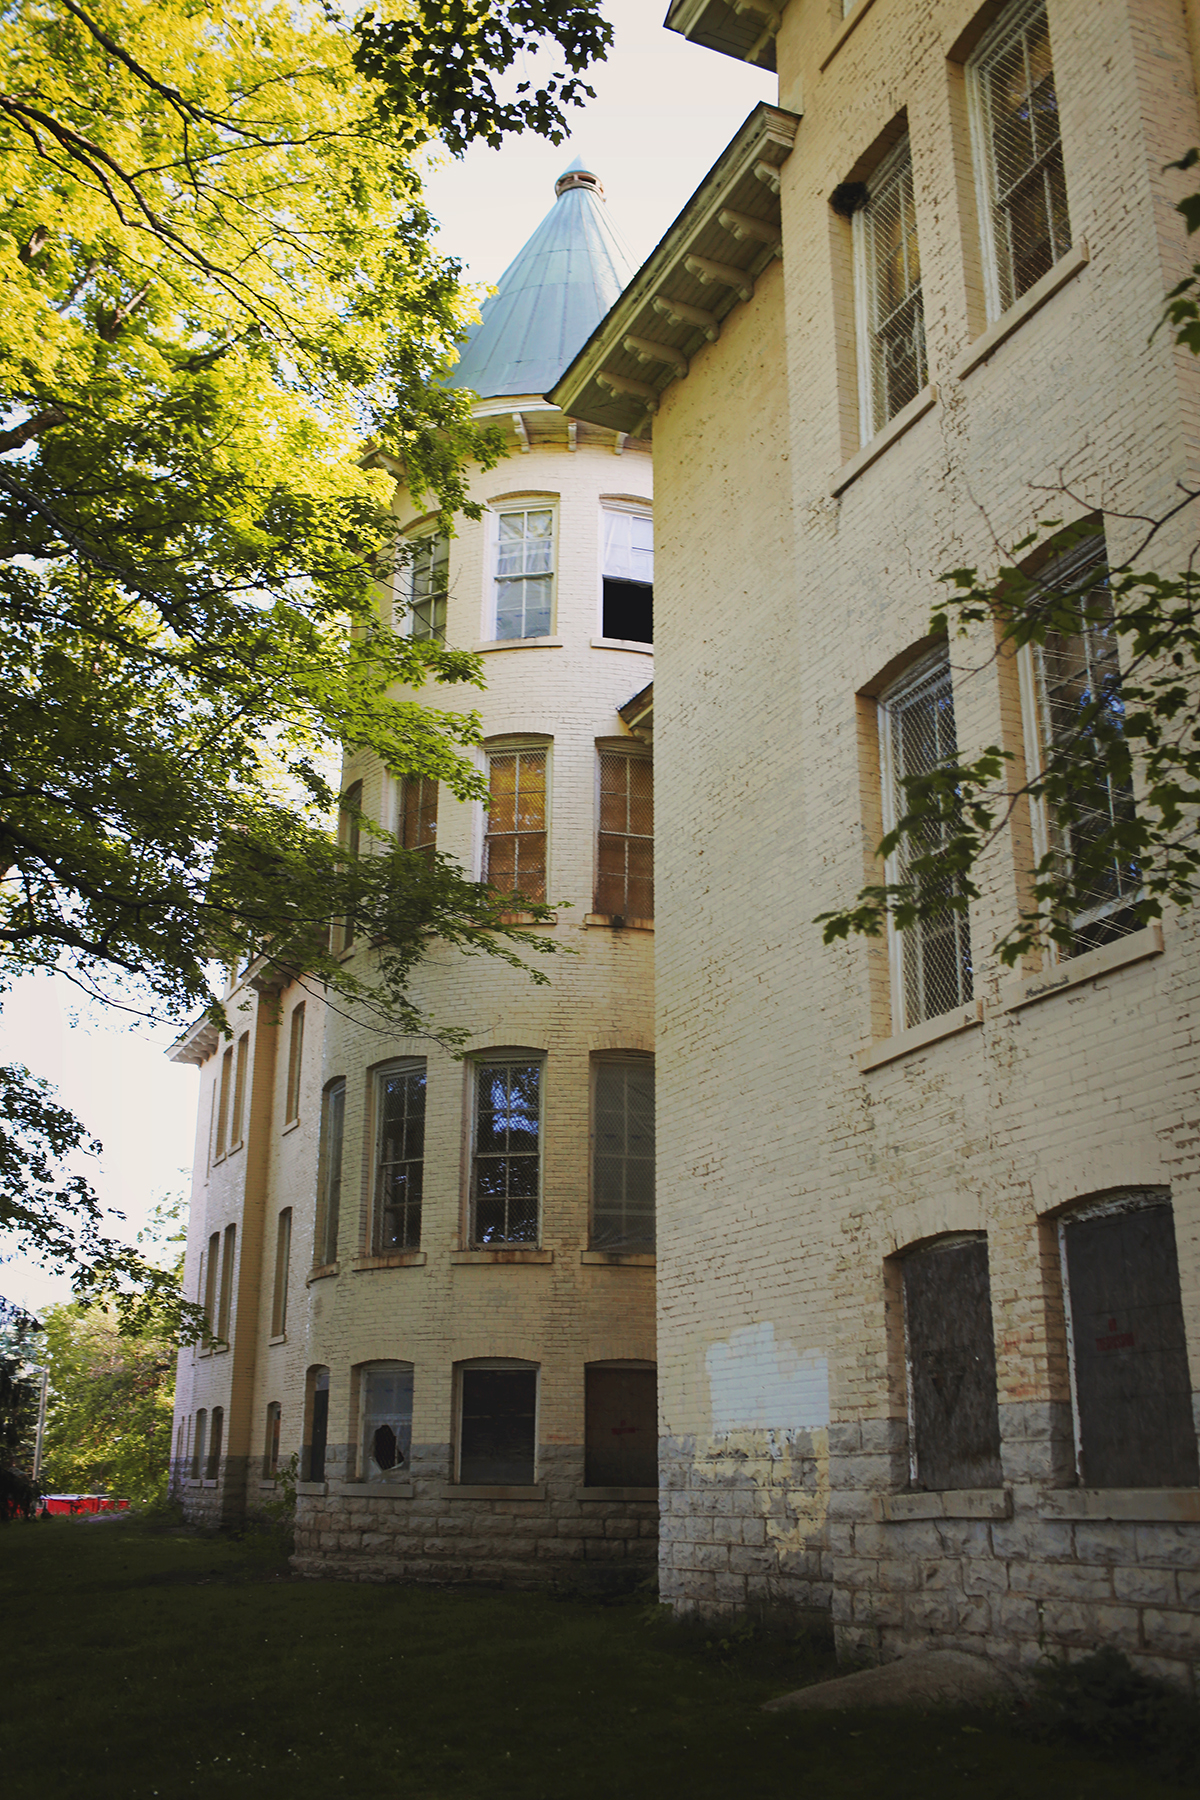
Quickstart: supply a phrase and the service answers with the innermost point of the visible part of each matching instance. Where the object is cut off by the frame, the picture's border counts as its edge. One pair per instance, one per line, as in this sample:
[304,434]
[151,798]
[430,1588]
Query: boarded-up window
[625,860]
[954,1418]
[212,1466]
[418,812]
[295,1063]
[621,1430]
[329,1172]
[506,1161]
[623,1155]
[283,1255]
[271,1445]
[497,1433]
[515,847]
[318,1427]
[387,1403]
[1133,1392]
[400,1168]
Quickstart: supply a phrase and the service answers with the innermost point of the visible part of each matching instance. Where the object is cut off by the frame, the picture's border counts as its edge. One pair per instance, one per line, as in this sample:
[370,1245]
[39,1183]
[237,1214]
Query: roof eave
[743,29]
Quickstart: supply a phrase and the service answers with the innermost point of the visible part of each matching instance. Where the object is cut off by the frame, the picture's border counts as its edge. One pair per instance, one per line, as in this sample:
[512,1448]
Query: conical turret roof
[550,298]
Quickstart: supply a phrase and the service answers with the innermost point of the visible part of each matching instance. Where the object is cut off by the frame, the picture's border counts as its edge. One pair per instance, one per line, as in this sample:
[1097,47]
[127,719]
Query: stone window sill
[321,1273]
[456,1490]
[883,440]
[631,1496]
[847,26]
[312,1489]
[951,1503]
[393,1259]
[220,1349]
[618,922]
[534,643]
[528,918]
[929,1031]
[478,1258]
[290,1126]
[234,1148]
[279,1338]
[634,644]
[193,1481]
[373,1490]
[1147,1505]
[1064,270]
[1136,946]
[267,1487]
[208,1484]
[619,1259]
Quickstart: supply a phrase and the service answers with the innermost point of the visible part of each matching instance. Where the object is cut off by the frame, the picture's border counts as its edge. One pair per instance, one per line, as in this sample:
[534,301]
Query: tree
[217,284]
[1134,714]
[109,1406]
[19,1396]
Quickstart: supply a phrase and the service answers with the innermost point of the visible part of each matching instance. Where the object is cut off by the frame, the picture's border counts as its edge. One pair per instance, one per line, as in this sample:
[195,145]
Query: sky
[664,110]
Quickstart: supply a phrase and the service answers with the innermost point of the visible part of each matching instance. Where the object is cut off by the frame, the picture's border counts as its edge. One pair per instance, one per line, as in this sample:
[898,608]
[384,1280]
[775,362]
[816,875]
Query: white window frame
[497,509]
[403,1065]
[407,626]
[632,508]
[864,281]
[401,1472]
[489,1059]
[600,1061]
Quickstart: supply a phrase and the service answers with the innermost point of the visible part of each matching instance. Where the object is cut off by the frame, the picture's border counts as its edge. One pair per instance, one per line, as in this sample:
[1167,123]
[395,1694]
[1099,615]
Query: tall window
[628,578]
[283,1257]
[623,1154]
[212,1467]
[329,1172]
[199,1445]
[525,572]
[211,1270]
[223,1102]
[1018,154]
[295,1062]
[891,313]
[625,852]
[497,1435]
[237,1123]
[349,836]
[400,1159]
[317,1408]
[621,1427]
[417,824]
[1077,697]
[1129,1364]
[515,846]
[271,1444]
[950,1354]
[428,575]
[506,1160]
[386,1401]
[225,1301]
[931,960]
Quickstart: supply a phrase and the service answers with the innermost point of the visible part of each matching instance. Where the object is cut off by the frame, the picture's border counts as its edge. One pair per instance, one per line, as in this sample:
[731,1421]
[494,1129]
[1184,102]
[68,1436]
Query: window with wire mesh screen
[506,1153]
[1026,227]
[1077,701]
[625,852]
[623,1154]
[400,1157]
[891,313]
[524,572]
[515,845]
[418,812]
[932,959]
[329,1172]
[428,579]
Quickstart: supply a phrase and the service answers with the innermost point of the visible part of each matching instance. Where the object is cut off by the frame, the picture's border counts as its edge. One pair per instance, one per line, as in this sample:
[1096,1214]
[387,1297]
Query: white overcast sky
[664,110]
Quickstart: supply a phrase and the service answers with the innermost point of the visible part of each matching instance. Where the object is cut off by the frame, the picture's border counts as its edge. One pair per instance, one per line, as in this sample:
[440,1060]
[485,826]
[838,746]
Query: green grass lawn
[144,1662]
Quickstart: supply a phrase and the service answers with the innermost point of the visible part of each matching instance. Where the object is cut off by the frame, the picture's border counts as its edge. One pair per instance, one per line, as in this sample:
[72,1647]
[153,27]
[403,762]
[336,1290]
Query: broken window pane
[621,1430]
[497,1433]
[953,1411]
[387,1403]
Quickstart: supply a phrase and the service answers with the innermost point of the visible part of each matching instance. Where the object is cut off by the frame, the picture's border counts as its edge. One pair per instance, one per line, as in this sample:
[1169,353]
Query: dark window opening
[320,1425]
[212,1467]
[621,1430]
[628,611]
[496,1442]
[954,1415]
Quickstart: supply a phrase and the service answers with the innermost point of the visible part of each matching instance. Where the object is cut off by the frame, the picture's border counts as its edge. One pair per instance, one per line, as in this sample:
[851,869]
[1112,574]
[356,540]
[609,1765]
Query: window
[506,1164]
[329,1172]
[524,572]
[621,1427]
[625,852]
[428,577]
[386,1398]
[1077,681]
[349,837]
[1018,154]
[1129,1364]
[417,825]
[225,1300]
[198,1445]
[271,1443]
[317,1409]
[628,576]
[891,314]
[212,1467]
[283,1254]
[950,1355]
[210,1280]
[295,1063]
[623,1154]
[237,1120]
[400,1157]
[223,1103]
[515,845]
[931,960]
[497,1424]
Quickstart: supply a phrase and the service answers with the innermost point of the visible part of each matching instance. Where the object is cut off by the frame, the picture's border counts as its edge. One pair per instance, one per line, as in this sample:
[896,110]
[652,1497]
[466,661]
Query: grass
[148,1662]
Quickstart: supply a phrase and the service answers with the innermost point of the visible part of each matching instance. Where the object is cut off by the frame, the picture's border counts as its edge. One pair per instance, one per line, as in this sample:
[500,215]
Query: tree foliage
[111,1395]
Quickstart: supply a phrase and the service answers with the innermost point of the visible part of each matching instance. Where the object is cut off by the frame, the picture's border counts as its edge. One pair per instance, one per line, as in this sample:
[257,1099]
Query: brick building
[929,1246]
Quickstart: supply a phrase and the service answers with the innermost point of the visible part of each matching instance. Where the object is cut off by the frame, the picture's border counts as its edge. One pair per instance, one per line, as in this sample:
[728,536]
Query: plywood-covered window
[891,308]
[621,1427]
[400,1156]
[386,1405]
[506,1151]
[623,1154]
[283,1257]
[515,843]
[950,1353]
[625,850]
[497,1437]
[329,1172]
[1129,1360]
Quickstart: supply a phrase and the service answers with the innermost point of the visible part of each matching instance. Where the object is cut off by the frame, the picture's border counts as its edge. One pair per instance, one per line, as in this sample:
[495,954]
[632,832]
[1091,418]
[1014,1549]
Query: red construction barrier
[73,1504]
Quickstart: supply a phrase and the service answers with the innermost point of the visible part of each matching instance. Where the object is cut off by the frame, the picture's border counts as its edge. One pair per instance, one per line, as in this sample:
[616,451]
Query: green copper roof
[550,299]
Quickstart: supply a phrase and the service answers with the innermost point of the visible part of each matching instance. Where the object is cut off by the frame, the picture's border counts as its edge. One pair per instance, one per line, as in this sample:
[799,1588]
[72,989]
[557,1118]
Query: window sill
[1148,1505]
[220,1349]
[929,1031]
[619,1259]
[279,1338]
[634,644]
[532,643]
[883,440]
[267,1487]
[312,1490]
[454,1490]
[396,1259]
[632,1496]
[1064,270]
[527,918]
[1027,990]
[321,1273]
[618,922]
[373,1490]
[514,1254]
[234,1148]
[951,1503]
[290,1126]
[209,1482]
[847,26]
[194,1481]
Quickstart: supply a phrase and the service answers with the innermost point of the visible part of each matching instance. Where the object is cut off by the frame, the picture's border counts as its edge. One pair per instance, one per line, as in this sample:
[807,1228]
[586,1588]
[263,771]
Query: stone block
[875,1608]
[1016,1616]
[1060,1581]
[746,1560]
[1169,1546]
[1070,1622]
[1047,1540]
[930,1612]
[862,1474]
[896,1574]
[939,1574]
[984,1575]
[754,1531]
[842,1606]
[1104,1543]
[974,1615]
[730,1590]
[964,1537]
[1155,1587]
[844,1440]
[710,1556]
[1171,1633]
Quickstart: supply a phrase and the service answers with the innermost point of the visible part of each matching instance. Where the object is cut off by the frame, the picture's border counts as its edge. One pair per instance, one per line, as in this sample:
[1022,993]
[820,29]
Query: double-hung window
[428,579]
[625,852]
[524,572]
[329,1173]
[623,1154]
[1018,154]
[400,1157]
[891,311]
[417,822]
[515,843]
[283,1263]
[295,1066]
[506,1153]
[628,577]
[931,961]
